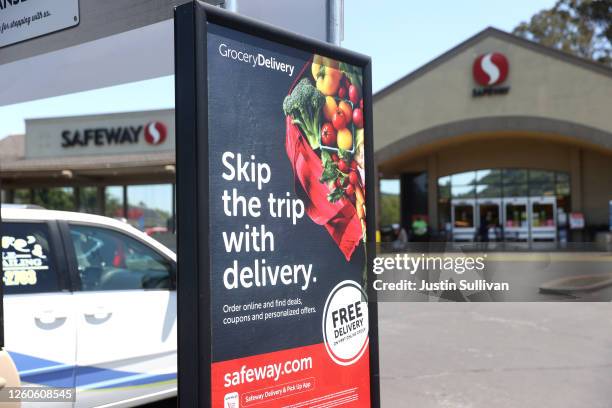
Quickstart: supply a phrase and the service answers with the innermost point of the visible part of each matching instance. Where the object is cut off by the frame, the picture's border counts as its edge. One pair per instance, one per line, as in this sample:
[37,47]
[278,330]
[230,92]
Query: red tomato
[353,178]
[347,109]
[358,117]
[334,157]
[339,120]
[353,93]
[342,166]
[328,134]
[353,165]
[350,190]
[342,92]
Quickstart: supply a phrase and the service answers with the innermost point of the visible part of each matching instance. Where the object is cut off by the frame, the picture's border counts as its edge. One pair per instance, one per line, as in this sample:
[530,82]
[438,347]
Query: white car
[90,303]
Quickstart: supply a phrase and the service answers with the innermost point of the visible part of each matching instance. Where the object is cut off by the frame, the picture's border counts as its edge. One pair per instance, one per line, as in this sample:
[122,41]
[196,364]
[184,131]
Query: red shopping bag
[339,218]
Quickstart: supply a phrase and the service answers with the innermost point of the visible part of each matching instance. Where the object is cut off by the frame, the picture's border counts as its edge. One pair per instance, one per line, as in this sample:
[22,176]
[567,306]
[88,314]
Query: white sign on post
[21,20]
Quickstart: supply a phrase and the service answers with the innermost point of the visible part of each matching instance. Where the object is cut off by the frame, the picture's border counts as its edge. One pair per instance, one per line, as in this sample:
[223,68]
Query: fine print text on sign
[21,20]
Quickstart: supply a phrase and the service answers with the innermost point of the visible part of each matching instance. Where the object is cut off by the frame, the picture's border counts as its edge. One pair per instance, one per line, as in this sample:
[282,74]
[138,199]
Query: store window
[488,190]
[464,216]
[444,187]
[55,198]
[463,191]
[497,183]
[444,199]
[113,202]
[88,200]
[150,207]
[516,215]
[514,176]
[541,183]
[542,215]
[463,179]
[488,183]
[488,177]
[503,186]
[562,184]
[515,190]
[389,202]
[22,196]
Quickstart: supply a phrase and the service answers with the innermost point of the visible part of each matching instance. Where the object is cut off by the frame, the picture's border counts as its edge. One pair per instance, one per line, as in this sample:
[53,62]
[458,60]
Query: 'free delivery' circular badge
[345,323]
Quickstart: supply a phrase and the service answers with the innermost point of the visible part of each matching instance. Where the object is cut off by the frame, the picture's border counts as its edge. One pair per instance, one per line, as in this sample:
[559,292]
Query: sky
[399,35]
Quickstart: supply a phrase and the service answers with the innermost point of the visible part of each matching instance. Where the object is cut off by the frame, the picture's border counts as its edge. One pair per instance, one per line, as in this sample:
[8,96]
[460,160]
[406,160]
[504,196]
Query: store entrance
[512,205]
[520,219]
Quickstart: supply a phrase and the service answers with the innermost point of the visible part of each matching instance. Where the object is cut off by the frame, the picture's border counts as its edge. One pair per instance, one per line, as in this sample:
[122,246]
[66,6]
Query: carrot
[359,195]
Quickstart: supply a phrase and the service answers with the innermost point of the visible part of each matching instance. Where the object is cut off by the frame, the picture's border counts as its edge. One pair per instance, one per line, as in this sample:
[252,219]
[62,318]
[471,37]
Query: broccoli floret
[304,106]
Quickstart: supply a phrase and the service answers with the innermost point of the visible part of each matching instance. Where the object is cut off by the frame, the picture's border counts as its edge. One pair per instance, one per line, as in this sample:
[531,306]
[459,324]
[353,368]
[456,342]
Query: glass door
[464,227]
[543,219]
[516,227]
[489,218]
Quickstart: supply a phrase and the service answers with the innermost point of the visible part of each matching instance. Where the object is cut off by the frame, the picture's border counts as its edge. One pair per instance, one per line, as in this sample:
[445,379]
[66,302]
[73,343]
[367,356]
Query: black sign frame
[191,95]
[1,284]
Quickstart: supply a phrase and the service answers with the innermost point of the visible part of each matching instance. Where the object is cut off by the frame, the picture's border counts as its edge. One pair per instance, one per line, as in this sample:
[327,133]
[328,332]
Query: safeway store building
[119,165]
[498,131]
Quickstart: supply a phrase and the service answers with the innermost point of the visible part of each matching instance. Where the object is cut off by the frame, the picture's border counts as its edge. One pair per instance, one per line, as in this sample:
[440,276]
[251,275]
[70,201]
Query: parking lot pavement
[473,355]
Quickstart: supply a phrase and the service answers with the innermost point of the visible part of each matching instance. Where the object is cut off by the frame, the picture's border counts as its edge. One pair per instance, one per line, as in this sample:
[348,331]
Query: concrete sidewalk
[502,355]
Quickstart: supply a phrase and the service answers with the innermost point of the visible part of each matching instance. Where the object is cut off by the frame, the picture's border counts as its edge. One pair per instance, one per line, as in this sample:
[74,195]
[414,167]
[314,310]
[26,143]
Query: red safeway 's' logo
[490,69]
[155,133]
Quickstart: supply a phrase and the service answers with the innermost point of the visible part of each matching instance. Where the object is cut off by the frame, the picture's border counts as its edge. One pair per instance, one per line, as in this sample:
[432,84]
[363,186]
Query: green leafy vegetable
[335,195]
[326,157]
[330,169]
[345,155]
[352,72]
[304,106]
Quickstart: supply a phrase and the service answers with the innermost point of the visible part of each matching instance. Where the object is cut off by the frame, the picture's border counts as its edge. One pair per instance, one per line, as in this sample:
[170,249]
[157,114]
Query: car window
[27,258]
[111,260]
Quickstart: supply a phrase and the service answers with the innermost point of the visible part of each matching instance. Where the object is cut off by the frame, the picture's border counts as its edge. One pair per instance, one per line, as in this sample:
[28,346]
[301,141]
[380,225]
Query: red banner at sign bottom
[296,378]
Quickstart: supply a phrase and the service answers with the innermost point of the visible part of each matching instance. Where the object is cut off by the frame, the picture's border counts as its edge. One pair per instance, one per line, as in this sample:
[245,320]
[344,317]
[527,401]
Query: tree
[579,27]
[389,209]
[61,199]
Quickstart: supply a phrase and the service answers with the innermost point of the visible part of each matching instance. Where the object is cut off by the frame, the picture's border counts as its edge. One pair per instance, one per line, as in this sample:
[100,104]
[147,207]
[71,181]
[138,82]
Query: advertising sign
[576,220]
[21,20]
[274,156]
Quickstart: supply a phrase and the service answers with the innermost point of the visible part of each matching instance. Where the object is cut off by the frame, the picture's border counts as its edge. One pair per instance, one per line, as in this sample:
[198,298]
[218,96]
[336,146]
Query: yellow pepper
[326,74]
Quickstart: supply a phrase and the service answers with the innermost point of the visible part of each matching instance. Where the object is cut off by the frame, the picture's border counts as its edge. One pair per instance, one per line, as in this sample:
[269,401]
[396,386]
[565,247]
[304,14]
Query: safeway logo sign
[489,71]
[155,133]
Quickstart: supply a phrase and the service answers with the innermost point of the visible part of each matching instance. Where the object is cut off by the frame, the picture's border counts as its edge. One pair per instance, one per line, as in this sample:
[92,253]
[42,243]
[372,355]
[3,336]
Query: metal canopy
[124,41]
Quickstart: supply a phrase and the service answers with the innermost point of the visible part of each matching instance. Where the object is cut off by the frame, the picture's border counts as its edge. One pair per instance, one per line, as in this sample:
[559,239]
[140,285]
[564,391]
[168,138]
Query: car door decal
[36,370]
